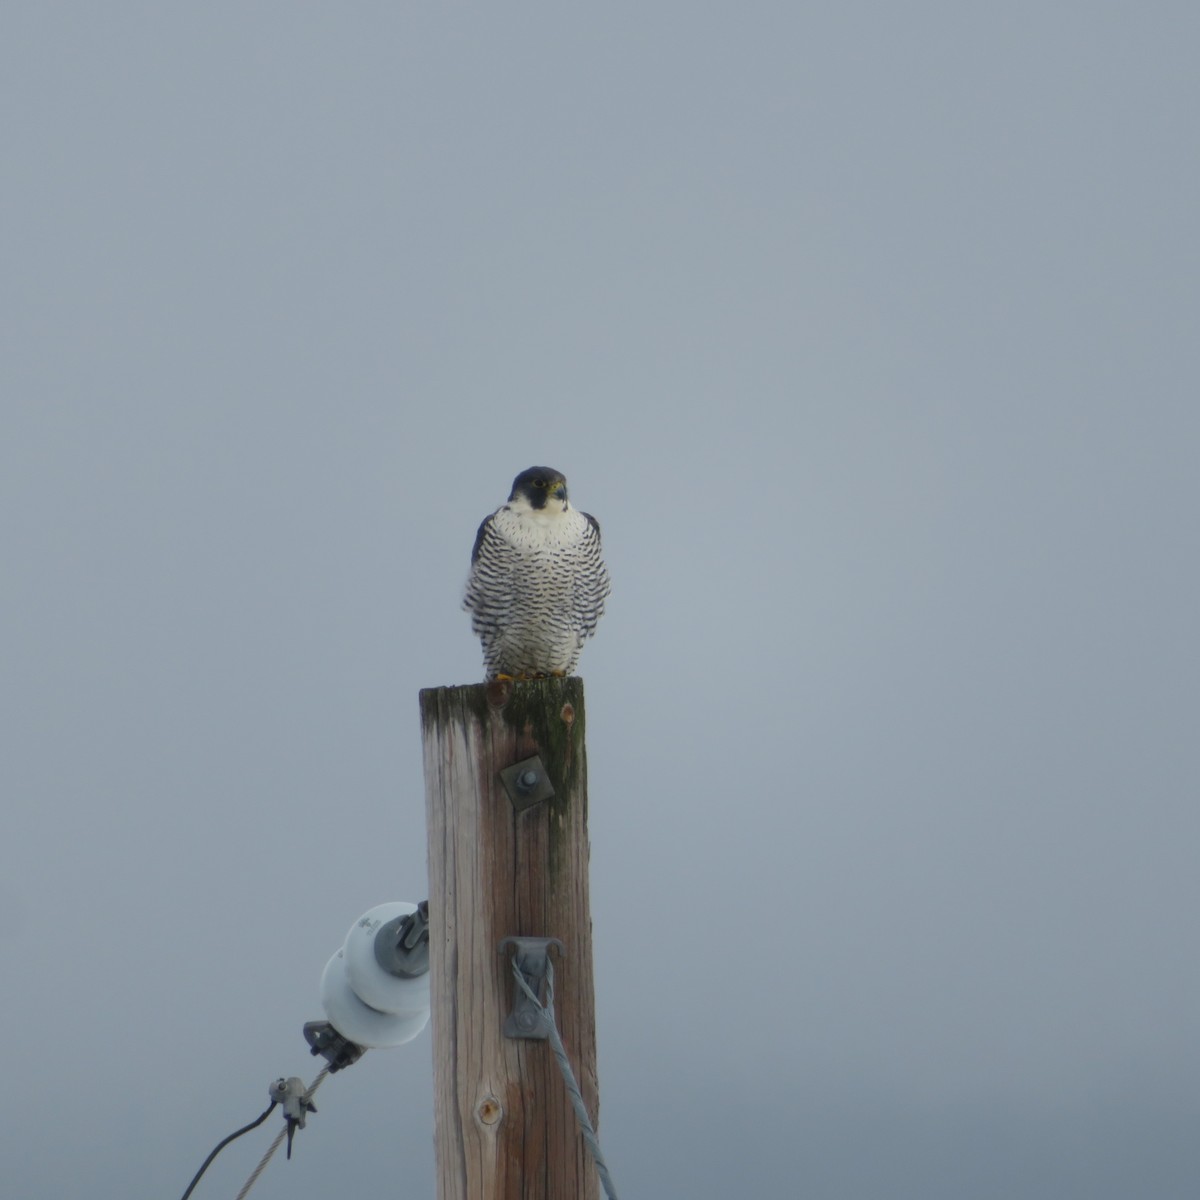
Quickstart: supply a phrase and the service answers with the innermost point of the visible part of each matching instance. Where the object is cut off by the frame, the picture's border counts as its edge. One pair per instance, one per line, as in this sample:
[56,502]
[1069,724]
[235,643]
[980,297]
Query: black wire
[221,1146]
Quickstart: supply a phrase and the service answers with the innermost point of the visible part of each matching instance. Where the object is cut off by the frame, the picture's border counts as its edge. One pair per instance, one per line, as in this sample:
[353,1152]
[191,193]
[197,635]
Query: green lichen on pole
[551,712]
[546,714]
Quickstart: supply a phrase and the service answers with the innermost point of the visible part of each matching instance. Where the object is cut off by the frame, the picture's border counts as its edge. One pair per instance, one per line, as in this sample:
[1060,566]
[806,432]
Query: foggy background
[868,333]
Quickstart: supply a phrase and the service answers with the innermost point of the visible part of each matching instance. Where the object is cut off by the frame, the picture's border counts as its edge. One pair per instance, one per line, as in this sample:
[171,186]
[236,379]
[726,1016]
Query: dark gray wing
[483,525]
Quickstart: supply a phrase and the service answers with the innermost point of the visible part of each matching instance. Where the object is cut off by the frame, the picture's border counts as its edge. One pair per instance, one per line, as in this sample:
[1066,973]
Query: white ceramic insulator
[374,986]
[359,1022]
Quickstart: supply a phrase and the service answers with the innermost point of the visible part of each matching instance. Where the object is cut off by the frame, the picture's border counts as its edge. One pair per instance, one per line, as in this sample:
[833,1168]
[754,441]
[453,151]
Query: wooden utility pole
[504,1127]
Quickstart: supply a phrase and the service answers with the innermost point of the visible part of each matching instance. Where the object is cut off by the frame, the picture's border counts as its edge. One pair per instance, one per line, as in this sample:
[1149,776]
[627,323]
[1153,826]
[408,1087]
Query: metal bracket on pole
[527,783]
[526,1020]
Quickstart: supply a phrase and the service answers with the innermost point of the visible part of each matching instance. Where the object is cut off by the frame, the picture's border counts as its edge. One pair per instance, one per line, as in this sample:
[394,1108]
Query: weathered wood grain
[504,1125]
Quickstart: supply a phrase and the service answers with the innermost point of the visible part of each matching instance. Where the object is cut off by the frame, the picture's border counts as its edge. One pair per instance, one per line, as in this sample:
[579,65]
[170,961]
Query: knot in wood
[489,1110]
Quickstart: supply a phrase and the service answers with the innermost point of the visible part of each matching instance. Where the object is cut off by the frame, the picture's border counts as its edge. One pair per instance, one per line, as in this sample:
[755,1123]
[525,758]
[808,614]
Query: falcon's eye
[540,483]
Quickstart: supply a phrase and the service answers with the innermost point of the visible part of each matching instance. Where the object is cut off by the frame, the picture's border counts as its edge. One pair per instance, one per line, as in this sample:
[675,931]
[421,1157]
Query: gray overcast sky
[869,333]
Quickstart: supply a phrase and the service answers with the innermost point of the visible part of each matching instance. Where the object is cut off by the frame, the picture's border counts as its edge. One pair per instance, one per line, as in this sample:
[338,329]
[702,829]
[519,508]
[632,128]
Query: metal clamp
[337,1050]
[290,1095]
[527,783]
[526,1020]
[402,944]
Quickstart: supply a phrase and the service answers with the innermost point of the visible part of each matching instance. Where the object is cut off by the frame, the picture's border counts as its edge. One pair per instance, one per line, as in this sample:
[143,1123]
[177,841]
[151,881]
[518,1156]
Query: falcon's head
[543,488]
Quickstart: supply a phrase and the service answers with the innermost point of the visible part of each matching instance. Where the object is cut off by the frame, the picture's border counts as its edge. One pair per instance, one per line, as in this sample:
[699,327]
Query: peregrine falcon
[537,582]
